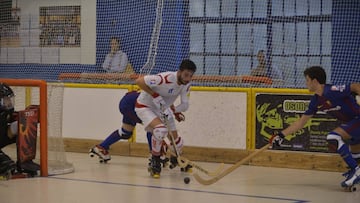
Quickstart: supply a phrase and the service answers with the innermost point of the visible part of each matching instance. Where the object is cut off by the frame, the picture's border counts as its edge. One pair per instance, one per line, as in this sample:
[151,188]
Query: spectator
[116,60]
[262,71]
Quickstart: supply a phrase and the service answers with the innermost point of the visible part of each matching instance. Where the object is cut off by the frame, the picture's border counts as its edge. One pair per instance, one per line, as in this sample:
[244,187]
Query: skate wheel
[350,188]
[172,166]
[91,155]
[5,176]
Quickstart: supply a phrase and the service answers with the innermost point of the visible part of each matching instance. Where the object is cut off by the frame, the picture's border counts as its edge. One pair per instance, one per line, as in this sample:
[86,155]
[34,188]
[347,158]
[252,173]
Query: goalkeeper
[338,101]
[8,126]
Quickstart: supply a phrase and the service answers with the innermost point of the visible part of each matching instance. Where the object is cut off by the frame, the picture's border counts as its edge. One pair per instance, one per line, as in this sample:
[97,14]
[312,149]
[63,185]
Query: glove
[178,116]
[158,100]
[276,139]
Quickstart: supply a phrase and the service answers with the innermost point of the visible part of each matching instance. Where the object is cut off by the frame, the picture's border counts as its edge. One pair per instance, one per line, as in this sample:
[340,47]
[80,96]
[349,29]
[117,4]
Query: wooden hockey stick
[231,169]
[200,168]
[181,163]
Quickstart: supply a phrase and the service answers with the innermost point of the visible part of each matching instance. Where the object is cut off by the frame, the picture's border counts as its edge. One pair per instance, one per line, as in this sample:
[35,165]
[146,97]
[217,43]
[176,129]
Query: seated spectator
[261,69]
[116,60]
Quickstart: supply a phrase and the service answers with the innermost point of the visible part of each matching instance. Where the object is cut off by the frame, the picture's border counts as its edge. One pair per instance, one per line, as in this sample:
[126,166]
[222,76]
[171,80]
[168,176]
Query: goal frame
[42,85]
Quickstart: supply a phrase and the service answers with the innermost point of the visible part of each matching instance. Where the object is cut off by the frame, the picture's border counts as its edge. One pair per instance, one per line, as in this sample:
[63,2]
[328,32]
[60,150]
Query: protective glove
[276,139]
[158,101]
[178,116]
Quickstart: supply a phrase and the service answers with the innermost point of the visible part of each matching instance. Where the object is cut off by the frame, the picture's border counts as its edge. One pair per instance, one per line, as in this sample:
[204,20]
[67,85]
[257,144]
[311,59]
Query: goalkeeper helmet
[7,99]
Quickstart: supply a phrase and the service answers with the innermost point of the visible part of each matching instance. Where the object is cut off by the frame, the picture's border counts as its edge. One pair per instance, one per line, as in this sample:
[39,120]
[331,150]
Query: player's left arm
[184,100]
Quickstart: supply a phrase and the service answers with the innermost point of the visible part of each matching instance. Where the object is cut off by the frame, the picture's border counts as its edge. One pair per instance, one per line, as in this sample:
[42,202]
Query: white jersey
[165,84]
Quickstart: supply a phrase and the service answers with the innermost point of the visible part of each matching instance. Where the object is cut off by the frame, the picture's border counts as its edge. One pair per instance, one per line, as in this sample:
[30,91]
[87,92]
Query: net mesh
[57,161]
[233,42]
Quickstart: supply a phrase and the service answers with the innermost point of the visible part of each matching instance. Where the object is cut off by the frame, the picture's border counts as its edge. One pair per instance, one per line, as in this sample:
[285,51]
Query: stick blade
[205,181]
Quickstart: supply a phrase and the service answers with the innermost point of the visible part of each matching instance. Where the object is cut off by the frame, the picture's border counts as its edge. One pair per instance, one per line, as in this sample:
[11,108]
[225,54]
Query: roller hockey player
[158,93]
[338,101]
[130,119]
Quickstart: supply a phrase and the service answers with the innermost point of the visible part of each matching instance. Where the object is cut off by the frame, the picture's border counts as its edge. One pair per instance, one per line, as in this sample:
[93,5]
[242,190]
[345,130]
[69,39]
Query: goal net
[233,42]
[53,161]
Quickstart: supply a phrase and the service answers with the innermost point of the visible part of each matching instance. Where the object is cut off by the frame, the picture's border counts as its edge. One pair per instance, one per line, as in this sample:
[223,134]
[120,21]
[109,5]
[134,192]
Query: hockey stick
[231,169]
[198,167]
[181,163]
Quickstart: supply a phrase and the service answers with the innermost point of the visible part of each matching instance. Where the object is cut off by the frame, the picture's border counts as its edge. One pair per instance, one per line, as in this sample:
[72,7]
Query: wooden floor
[125,179]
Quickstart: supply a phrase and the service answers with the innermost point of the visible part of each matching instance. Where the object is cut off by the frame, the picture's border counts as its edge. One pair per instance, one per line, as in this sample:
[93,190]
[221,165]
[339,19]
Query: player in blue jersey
[130,119]
[338,101]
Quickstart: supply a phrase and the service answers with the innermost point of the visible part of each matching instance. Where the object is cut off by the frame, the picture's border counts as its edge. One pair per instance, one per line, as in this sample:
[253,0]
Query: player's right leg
[336,143]
[159,133]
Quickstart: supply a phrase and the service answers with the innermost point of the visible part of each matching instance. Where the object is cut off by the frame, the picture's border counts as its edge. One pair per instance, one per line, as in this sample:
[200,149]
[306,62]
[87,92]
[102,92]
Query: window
[226,35]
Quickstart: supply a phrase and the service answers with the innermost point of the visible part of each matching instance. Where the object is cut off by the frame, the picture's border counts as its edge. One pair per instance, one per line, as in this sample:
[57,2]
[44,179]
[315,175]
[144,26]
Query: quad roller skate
[163,160]
[174,163]
[7,167]
[155,167]
[101,152]
[352,180]
[29,168]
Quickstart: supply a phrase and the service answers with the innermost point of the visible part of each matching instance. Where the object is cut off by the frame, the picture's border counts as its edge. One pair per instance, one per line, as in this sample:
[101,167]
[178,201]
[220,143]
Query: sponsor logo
[339,88]
[153,81]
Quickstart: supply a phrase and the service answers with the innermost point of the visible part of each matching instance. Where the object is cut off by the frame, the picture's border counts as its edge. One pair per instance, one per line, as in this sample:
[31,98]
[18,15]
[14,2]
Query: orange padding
[196,78]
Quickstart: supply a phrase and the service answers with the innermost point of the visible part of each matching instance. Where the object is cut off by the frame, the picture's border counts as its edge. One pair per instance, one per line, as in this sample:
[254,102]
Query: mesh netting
[233,42]
[57,161]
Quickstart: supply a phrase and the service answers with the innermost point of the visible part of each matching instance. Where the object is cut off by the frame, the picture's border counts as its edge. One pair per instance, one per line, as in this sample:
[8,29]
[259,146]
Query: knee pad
[125,134]
[160,132]
[335,141]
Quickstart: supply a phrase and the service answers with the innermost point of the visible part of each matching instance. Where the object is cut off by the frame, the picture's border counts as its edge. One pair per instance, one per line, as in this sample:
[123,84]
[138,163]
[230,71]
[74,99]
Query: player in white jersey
[158,93]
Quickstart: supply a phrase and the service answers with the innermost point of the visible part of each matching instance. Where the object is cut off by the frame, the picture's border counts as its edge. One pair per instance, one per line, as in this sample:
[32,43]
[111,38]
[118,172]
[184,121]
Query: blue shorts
[127,108]
[353,129]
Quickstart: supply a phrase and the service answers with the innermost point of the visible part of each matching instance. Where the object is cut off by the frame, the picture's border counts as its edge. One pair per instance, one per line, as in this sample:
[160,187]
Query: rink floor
[125,179]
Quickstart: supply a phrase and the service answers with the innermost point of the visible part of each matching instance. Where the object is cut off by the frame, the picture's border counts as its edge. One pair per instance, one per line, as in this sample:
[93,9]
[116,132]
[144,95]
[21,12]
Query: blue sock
[148,135]
[347,157]
[111,139]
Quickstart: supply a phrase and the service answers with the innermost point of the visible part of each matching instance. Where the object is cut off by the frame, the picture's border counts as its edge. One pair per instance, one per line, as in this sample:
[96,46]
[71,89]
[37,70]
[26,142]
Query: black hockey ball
[186,180]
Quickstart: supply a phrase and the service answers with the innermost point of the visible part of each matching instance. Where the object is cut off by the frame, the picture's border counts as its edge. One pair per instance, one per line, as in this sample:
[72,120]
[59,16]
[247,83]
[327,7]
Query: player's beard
[181,81]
